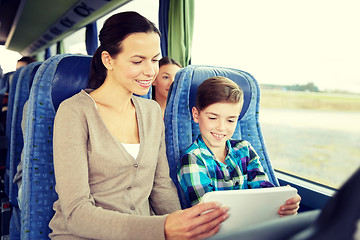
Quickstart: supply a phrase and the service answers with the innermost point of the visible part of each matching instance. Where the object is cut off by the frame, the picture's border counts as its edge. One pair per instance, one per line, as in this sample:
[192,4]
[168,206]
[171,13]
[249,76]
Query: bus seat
[181,131]
[10,105]
[58,78]
[22,92]
[4,88]
[4,84]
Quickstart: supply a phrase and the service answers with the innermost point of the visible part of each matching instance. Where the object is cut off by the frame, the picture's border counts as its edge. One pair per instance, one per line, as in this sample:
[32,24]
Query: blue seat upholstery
[4,83]
[10,106]
[58,78]
[22,92]
[181,131]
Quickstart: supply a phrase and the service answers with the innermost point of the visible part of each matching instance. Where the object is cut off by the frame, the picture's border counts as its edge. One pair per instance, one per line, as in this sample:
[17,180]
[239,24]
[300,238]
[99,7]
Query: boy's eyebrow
[235,116]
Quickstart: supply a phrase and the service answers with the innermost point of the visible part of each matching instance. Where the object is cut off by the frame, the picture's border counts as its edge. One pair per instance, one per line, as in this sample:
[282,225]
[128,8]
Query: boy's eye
[212,118]
[165,77]
[155,60]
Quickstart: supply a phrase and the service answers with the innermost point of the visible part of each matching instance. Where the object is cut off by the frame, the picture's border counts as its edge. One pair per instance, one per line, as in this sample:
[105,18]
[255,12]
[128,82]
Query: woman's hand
[198,222]
[290,207]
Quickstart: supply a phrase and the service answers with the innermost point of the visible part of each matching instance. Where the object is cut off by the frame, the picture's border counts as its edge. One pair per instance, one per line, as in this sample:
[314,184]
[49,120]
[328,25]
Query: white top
[132,149]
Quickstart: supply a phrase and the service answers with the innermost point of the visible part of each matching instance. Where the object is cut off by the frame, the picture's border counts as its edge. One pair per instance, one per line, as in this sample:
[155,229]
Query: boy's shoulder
[193,149]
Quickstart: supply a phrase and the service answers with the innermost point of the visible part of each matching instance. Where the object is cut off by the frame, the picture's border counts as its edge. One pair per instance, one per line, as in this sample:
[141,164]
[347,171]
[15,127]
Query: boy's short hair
[218,89]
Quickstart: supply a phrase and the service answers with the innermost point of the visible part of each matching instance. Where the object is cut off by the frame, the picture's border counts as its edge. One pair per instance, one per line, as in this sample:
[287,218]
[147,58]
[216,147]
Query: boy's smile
[217,124]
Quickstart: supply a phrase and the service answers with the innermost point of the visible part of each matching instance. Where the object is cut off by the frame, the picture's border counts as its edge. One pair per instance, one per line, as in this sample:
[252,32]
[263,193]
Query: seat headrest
[201,73]
[71,75]
[32,68]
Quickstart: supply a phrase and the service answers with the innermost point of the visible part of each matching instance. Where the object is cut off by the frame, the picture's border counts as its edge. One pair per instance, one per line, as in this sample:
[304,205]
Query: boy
[214,162]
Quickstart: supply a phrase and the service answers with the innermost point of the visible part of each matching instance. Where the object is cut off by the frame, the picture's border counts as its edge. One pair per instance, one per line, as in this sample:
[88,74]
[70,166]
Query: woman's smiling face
[136,66]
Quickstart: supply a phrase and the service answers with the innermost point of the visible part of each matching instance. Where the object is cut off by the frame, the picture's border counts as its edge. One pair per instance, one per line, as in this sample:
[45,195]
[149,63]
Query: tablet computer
[250,206]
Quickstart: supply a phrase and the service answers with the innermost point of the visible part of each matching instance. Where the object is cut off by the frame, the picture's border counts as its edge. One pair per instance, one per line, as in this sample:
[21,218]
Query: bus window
[305,57]
[75,43]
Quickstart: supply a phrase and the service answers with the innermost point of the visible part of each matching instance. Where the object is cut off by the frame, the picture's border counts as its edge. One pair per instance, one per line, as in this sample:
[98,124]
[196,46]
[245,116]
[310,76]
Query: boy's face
[217,123]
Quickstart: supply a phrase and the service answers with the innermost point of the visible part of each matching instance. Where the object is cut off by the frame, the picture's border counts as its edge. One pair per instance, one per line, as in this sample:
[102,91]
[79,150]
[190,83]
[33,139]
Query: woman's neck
[113,96]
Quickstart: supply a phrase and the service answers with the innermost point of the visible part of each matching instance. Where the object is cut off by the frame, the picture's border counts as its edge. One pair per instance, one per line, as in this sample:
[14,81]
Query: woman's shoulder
[76,102]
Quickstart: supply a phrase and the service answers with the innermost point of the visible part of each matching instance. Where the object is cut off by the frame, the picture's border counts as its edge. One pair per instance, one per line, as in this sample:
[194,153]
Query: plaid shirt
[199,171]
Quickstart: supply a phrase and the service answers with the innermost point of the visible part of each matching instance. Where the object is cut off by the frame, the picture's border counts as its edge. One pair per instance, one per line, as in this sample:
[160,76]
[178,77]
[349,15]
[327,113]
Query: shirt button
[132,208]
[129,188]
[136,165]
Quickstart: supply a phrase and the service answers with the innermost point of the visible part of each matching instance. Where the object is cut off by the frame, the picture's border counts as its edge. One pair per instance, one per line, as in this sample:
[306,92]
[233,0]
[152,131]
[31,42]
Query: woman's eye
[137,62]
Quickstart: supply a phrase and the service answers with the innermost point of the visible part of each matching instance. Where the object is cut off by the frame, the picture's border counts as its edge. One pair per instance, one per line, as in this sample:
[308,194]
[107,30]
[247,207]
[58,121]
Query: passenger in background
[168,67]
[24,61]
[110,163]
[215,162]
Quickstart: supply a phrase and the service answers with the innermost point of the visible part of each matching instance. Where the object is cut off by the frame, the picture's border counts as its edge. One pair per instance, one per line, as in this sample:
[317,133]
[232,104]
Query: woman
[110,164]
[168,67]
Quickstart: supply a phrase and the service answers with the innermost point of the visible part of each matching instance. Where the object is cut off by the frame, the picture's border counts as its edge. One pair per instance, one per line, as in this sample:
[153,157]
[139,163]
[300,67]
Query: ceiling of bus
[30,27]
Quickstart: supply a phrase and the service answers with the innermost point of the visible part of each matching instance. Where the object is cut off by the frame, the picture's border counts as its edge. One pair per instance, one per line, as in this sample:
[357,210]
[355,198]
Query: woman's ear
[107,60]
[195,114]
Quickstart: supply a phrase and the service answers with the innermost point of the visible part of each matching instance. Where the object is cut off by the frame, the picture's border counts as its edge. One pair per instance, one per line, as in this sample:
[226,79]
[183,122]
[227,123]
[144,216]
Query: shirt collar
[207,153]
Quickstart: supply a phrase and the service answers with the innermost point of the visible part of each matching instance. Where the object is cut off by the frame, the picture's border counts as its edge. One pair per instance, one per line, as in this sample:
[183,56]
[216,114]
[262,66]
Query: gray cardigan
[104,193]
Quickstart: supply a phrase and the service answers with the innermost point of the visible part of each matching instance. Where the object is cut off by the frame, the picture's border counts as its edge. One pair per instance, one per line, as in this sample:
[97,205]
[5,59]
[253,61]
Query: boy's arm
[193,178]
[257,178]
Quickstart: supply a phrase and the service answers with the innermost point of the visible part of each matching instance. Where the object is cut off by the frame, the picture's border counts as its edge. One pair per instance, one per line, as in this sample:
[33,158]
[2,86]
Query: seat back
[22,92]
[4,83]
[58,78]
[10,105]
[181,131]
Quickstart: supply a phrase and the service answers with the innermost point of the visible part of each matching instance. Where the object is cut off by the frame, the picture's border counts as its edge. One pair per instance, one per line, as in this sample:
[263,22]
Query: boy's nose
[221,125]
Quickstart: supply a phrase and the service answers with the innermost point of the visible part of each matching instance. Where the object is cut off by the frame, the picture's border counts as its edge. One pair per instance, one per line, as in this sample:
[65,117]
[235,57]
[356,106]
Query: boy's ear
[195,114]
[107,60]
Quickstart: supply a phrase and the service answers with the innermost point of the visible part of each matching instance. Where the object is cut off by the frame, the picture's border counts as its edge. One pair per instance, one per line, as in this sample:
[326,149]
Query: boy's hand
[290,207]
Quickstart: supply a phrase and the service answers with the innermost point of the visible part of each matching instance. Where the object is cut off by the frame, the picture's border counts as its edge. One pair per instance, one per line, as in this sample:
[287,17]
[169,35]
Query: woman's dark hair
[115,30]
[216,90]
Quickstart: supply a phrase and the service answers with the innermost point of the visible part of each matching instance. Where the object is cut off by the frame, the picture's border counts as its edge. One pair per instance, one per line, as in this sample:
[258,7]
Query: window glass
[305,57]
[75,43]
